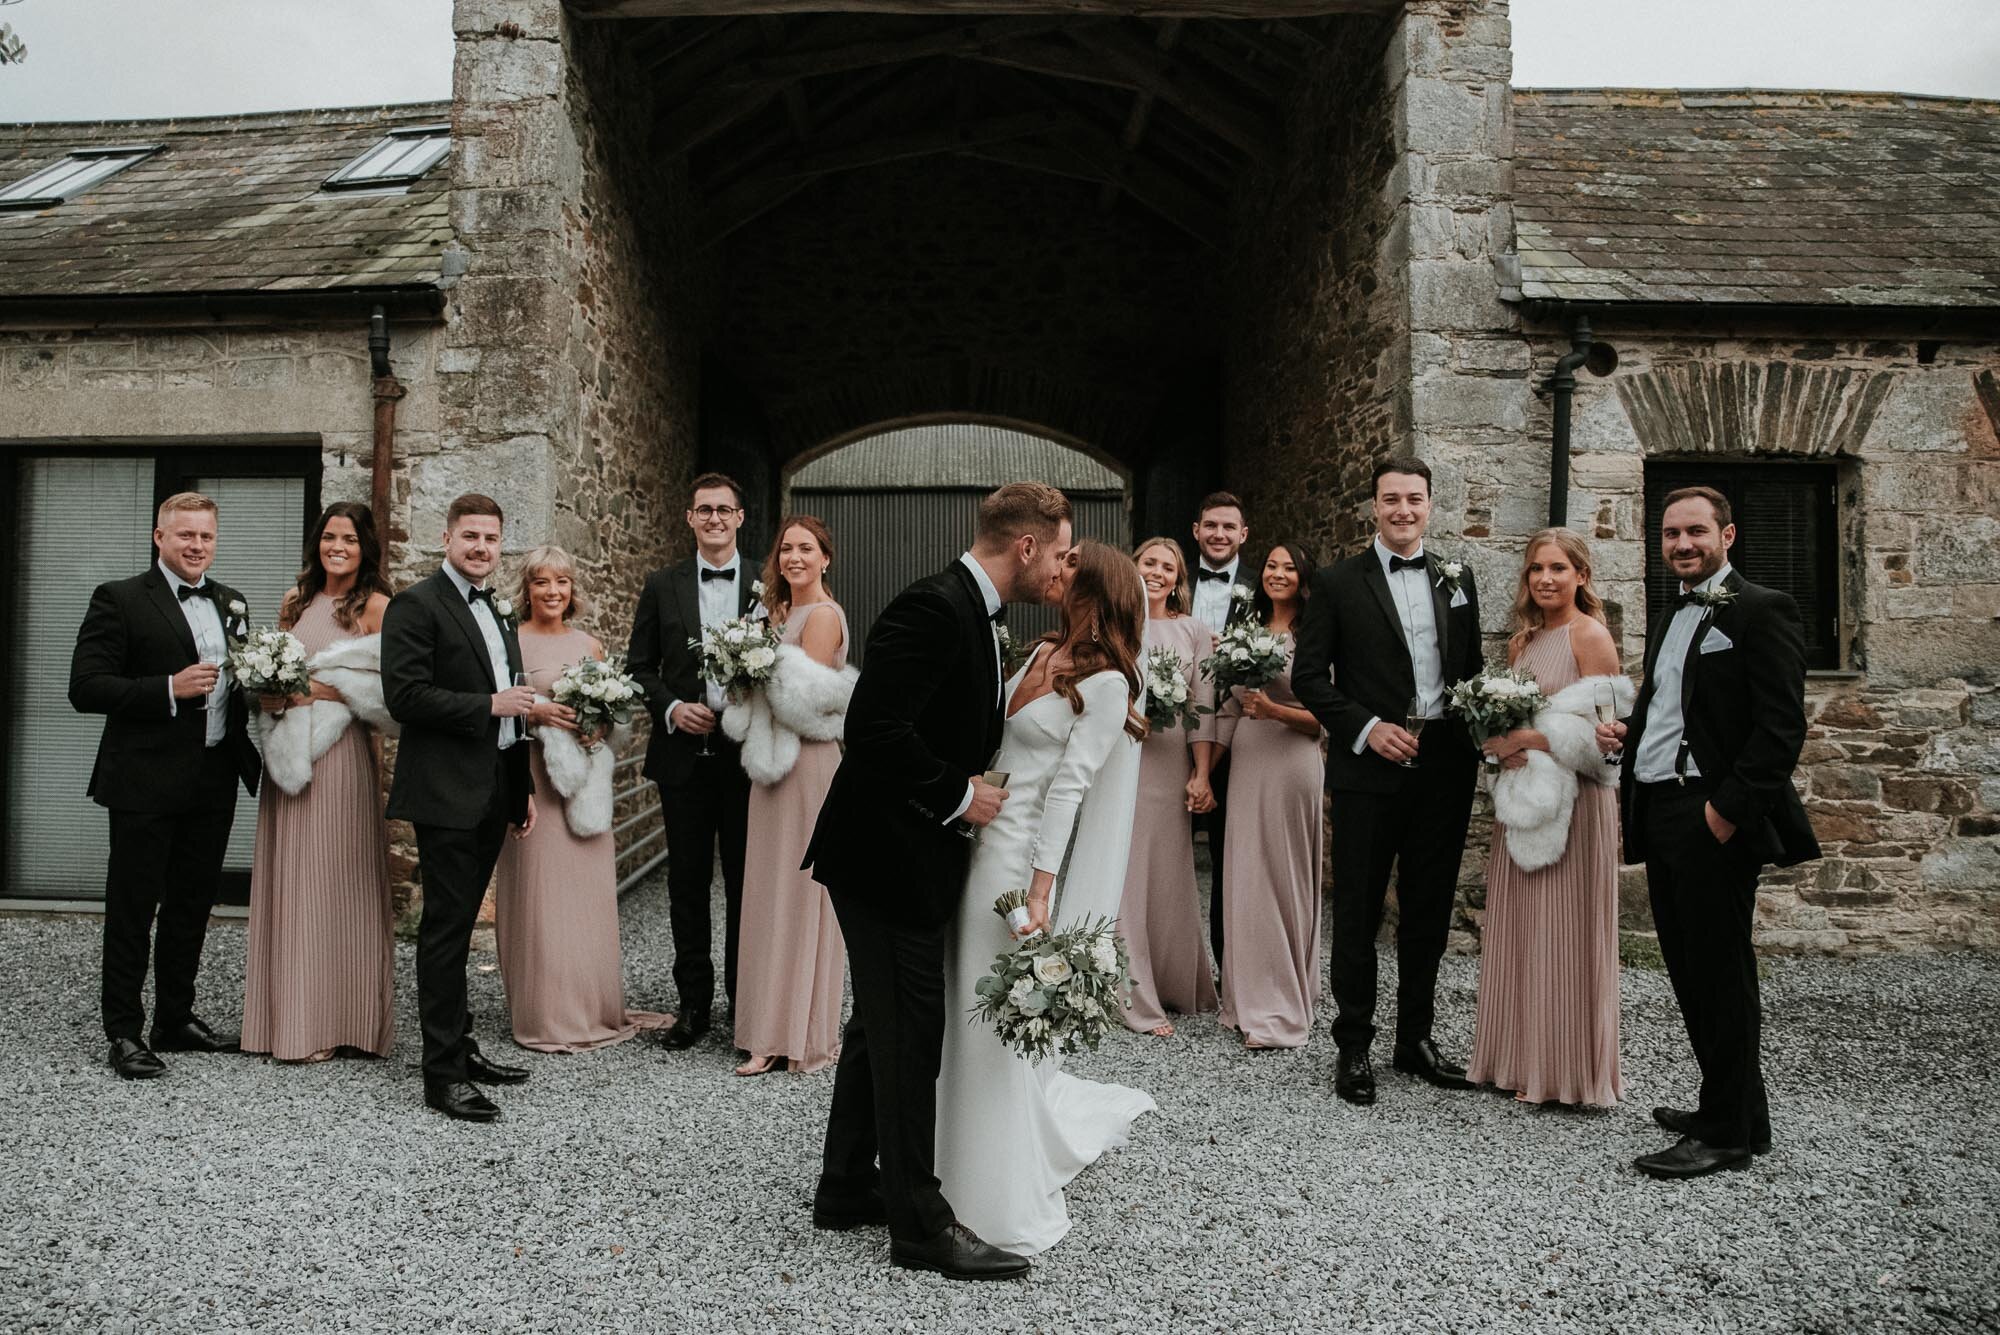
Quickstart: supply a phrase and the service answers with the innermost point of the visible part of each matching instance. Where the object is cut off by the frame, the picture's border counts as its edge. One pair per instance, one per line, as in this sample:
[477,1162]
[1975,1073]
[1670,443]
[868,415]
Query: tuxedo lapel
[1711,617]
[1441,610]
[685,600]
[1378,584]
[746,599]
[169,606]
[461,612]
[987,649]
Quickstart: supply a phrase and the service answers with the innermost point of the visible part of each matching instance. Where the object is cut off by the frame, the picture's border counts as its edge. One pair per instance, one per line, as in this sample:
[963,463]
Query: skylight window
[400,159]
[76,174]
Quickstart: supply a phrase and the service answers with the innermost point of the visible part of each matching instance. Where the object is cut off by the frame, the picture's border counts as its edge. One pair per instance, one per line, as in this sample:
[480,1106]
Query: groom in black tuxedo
[150,657]
[1707,800]
[449,658]
[1385,630]
[892,847]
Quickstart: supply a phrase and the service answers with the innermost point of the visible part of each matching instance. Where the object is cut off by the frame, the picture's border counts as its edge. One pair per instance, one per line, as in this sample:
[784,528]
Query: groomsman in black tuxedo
[892,845]
[704,793]
[1385,633]
[1707,802]
[151,656]
[449,659]
[1219,535]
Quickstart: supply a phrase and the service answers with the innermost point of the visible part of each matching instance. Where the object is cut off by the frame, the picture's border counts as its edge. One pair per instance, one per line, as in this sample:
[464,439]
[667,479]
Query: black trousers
[707,816]
[454,866]
[164,865]
[1704,896]
[885,1089]
[1419,832]
[1216,822]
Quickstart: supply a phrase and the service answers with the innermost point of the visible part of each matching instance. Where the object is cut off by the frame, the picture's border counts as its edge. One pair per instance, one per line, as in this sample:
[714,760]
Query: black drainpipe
[1563,381]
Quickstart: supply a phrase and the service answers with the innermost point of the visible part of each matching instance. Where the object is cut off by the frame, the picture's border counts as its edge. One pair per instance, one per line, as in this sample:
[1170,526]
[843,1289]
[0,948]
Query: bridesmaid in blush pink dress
[321,975]
[1271,853]
[556,908]
[1548,961]
[1159,914]
[788,984]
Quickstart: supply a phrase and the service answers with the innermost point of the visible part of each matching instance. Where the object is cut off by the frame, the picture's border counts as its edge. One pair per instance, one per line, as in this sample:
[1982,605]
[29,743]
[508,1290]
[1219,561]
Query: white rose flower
[1019,992]
[1453,569]
[757,588]
[759,658]
[1239,654]
[503,607]
[1051,969]
[1241,593]
[236,606]
[734,635]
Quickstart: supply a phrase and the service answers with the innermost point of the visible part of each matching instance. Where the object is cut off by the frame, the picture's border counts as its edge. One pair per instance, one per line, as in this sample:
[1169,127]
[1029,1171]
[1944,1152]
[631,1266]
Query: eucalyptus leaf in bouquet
[1055,993]
[1169,703]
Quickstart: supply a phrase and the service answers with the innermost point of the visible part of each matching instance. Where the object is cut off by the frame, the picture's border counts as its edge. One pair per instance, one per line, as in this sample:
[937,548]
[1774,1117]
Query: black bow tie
[479,595]
[1691,597]
[708,573]
[1417,562]
[187,591]
[1000,615]
[1203,572]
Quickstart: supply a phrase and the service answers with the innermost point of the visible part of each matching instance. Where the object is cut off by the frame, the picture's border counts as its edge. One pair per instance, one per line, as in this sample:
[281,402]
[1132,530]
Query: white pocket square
[1458,598]
[1716,641]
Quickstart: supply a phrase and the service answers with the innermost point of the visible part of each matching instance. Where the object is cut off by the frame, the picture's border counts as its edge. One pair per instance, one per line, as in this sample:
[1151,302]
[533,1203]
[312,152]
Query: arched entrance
[900,503]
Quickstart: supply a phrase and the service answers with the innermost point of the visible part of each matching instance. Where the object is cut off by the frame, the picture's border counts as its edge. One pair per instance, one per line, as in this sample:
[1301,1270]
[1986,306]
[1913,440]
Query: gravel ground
[635,1189]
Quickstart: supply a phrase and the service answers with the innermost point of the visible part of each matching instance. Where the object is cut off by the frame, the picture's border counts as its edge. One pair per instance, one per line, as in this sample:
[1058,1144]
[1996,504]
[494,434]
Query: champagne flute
[1413,723]
[1605,700]
[706,749]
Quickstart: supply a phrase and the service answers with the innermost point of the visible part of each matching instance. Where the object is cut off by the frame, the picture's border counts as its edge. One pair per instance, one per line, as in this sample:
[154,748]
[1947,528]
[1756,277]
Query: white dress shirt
[716,601]
[1661,741]
[1212,596]
[1410,591]
[211,645]
[991,593]
[496,646]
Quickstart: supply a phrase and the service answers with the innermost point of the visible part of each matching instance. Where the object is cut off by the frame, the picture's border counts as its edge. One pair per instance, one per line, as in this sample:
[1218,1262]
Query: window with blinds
[1786,537]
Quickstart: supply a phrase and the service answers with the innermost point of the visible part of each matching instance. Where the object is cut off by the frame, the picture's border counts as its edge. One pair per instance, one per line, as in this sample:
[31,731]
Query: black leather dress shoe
[134,1060]
[460,1099]
[1426,1063]
[1691,1158]
[191,1035]
[1681,1122]
[485,1072]
[686,1030]
[959,1253]
[1354,1077]
[836,1216]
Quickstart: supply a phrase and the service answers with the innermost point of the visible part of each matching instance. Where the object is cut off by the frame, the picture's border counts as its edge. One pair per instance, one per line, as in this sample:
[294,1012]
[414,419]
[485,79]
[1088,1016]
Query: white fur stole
[582,777]
[804,700]
[294,741]
[1534,802]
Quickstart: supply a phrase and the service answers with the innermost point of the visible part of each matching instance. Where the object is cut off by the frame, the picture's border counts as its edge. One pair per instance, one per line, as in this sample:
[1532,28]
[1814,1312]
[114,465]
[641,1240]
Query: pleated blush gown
[321,970]
[1548,965]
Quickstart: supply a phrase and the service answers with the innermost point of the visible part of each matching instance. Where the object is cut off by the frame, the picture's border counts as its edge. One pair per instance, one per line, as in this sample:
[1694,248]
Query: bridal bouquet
[1055,993]
[1249,655]
[270,662]
[601,695]
[1167,703]
[738,654]
[1496,701]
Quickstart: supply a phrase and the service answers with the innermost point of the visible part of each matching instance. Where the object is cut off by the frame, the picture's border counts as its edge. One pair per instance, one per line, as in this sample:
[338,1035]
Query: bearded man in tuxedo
[152,657]
[1707,800]
[1219,534]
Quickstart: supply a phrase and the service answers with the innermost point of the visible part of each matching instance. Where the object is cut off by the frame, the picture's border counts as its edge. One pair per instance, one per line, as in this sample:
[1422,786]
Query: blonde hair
[551,560]
[182,500]
[1179,598]
[1527,613]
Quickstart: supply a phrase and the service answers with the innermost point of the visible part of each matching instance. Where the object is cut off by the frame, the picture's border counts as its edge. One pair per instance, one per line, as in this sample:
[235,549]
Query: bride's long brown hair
[1103,626]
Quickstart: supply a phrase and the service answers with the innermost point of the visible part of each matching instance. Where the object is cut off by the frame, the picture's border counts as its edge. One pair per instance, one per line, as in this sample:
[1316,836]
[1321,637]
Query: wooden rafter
[1141,112]
[1159,9]
[1182,88]
[1085,156]
[847,56]
[874,150]
[773,28]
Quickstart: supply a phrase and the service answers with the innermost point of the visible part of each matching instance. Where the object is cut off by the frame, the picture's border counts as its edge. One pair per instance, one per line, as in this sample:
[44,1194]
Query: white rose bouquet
[1496,701]
[1249,655]
[1168,705]
[738,654]
[1055,993]
[600,693]
[270,662]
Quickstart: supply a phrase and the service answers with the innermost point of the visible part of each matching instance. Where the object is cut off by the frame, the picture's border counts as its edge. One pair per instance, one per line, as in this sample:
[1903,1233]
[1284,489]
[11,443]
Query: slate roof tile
[1747,196]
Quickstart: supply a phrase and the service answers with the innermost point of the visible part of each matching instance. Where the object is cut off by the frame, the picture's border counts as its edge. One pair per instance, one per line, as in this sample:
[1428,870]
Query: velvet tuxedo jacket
[437,680]
[133,638]
[1743,707]
[924,719]
[1352,663]
[660,659]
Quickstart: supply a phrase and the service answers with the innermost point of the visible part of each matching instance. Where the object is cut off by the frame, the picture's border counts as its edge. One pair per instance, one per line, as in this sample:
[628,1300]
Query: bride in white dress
[1011,1135]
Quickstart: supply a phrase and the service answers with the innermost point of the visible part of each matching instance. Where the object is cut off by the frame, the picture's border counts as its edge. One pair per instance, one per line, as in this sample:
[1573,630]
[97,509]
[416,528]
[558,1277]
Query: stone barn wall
[1901,771]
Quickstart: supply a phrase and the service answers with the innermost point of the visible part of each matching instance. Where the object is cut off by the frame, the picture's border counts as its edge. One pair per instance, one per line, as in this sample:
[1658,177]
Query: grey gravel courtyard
[638,1190]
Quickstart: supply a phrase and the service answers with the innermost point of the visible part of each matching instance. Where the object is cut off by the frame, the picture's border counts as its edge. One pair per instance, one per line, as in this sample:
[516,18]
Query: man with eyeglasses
[704,793]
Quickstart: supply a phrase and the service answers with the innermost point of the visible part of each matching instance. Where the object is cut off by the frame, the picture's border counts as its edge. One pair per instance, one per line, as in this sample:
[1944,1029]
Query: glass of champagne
[1605,700]
[1413,723]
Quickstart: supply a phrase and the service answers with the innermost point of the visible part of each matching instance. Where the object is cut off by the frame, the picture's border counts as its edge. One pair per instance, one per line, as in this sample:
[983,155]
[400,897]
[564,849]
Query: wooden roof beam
[1082,158]
[879,149]
[1141,113]
[1163,9]
[1180,87]
[963,39]
[796,111]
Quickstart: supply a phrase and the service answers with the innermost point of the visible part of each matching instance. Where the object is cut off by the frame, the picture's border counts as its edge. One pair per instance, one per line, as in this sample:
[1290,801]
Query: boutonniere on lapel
[1241,596]
[1451,577]
[503,609]
[756,588]
[1010,657]
[1710,599]
[235,621]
